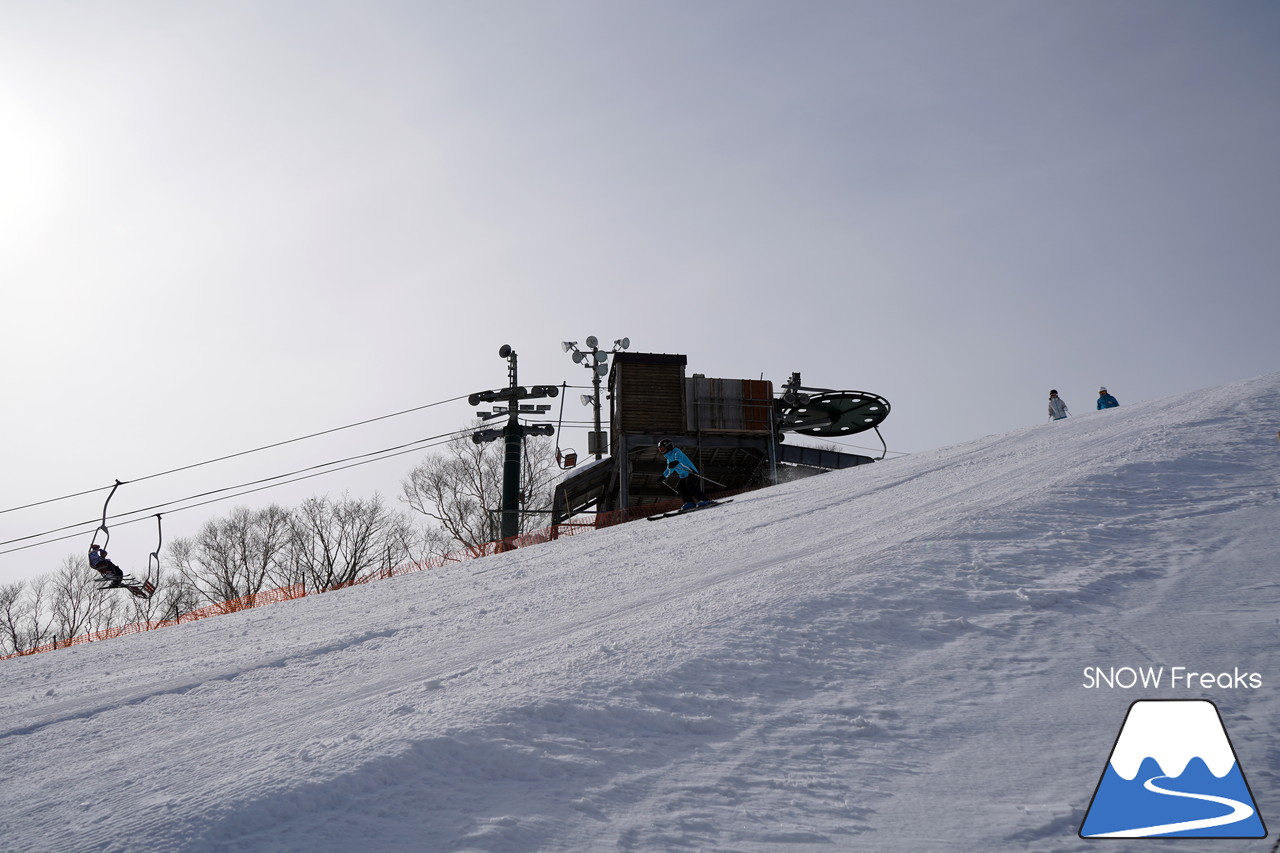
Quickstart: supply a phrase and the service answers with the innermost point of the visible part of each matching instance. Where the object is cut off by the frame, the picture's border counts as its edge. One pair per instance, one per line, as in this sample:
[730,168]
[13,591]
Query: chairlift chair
[138,588]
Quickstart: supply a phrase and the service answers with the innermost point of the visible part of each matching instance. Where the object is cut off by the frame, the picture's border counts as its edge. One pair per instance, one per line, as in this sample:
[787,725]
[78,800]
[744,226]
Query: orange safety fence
[286,593]
[256,599]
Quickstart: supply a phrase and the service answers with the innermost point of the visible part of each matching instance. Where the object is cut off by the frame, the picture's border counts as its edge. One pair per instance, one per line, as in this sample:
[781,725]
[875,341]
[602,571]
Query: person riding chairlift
[109,570]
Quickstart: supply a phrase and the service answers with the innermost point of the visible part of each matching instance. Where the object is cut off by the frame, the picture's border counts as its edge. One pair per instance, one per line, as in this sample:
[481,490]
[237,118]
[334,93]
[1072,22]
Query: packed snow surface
[889,658]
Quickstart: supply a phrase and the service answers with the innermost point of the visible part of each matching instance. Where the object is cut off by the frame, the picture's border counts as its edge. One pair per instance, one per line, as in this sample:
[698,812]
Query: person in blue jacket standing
[679,464]
[1105,400]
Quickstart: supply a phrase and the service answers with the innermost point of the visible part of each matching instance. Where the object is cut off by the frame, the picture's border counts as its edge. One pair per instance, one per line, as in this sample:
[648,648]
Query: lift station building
[732,429]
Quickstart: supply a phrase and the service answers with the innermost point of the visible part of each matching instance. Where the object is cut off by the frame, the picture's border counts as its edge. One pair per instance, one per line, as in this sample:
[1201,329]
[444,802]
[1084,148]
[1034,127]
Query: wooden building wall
[647,392]
[728,405]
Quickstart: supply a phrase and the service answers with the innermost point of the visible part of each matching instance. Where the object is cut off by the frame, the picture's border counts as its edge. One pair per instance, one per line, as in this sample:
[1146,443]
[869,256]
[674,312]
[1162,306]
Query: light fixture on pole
[598,363]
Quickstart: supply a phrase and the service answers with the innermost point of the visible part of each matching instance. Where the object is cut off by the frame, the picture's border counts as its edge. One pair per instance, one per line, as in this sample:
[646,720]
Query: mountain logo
[1172,773]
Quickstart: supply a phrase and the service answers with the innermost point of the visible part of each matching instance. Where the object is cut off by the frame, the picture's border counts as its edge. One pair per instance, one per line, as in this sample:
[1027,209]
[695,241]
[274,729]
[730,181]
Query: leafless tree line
[460,492]
[322,544]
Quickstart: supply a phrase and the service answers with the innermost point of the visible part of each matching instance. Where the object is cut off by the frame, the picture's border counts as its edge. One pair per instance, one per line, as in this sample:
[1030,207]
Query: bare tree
[38,628]
[234,556]
[78,605]
[175,596]
[172,598]
[335,543]
[461,490]
[12,618]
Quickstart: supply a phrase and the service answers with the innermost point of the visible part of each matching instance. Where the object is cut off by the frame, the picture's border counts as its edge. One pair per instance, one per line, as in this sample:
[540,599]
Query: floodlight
[602,369]
[622,343]
[592,342]
[485,435]
[578,357]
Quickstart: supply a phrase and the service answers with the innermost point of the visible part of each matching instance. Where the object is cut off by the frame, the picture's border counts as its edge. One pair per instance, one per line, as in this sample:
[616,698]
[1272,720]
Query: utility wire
[231,456]
[385,453]
[306,473]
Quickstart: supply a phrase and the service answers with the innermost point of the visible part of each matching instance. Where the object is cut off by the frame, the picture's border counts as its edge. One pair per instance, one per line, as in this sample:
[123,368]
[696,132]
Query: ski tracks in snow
[807,668]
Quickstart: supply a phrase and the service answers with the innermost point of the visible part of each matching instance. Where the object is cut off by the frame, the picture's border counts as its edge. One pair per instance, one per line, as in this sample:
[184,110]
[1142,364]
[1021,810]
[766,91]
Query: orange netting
[256,599]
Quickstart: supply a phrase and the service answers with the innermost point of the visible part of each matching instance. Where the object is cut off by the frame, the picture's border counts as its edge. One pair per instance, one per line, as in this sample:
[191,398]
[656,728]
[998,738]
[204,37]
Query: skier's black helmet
[665,444]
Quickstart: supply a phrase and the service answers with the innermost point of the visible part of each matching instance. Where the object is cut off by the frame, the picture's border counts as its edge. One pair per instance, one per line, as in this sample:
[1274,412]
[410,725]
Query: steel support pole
[512,436]
[511,479]
[595,382]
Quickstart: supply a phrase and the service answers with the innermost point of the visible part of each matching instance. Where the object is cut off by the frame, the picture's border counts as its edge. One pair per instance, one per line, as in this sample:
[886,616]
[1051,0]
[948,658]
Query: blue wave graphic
[1120,806]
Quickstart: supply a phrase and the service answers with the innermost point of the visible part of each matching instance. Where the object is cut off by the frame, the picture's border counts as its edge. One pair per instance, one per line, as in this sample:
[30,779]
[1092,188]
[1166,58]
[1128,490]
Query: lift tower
[512,434]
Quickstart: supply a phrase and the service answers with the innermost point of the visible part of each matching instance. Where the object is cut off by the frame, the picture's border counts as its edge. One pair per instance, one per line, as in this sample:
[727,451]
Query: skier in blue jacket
[1105,400]
[679,464]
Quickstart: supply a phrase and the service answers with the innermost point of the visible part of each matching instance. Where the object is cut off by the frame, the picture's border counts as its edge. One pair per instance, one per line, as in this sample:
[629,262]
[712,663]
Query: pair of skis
[687,511]
[141,589]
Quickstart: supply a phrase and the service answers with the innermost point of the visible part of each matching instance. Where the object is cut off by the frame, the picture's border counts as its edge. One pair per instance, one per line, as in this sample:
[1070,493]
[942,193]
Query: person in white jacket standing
[1057,407]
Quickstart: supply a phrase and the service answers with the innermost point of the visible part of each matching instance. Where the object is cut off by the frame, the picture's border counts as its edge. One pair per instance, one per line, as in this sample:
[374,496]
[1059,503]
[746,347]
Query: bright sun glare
[31,176]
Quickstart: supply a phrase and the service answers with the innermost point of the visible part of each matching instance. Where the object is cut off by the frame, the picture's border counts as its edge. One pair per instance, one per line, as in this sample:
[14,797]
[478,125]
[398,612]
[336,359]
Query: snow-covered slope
[891,658]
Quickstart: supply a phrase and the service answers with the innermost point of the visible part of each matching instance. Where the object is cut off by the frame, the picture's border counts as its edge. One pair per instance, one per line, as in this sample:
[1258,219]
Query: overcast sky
[228,224]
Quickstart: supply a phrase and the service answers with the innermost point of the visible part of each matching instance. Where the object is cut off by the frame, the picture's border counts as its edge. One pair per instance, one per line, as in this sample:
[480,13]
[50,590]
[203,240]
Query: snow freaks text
[1174,677]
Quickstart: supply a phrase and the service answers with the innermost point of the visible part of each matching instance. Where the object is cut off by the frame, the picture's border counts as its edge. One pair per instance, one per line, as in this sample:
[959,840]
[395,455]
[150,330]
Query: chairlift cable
[82,531]
[312,471]
[231,456]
